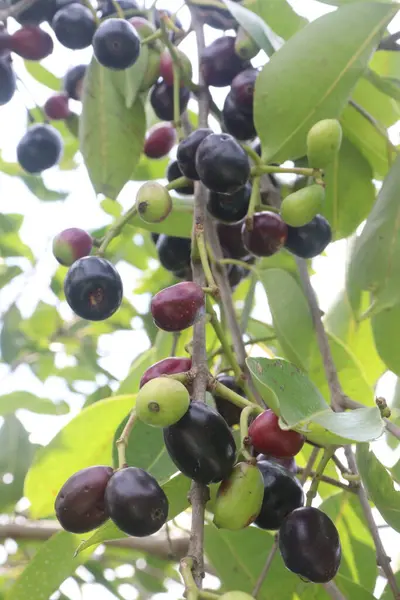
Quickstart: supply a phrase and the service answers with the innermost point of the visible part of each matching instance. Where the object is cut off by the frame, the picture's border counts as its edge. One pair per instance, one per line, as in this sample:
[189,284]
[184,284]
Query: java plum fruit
[323,143]
[236,121]
[167,366]
[174,252]
[239,498]
[309,240]
[219,63]
[230,237]
[186,152]
[245,46]
[282,494]
[229,411]
[222,164]
[153,202]
[242,89]
[301,206]
[161,402]
[128,7]
[40,11]
[174,172]
[39,148]
[267,235]
[135,502]
[93,288]
[178,307]
[74,26]
[310,545]
[73,81]
[287,463]
[201,444]
[229,208]
[79,504]
[268,438]
[32,43]
[71,244]
[56,107]
[167,66]
[116,44]
[218,18]
[162,100]
[7,79]
[160,140]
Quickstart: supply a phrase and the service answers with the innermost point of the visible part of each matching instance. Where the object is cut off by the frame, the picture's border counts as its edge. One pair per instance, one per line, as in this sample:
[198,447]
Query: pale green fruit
[239,498]
[236,595]
[153,202]
[323,143]
[302,206]
[152,70]
[245,46]
[161,402]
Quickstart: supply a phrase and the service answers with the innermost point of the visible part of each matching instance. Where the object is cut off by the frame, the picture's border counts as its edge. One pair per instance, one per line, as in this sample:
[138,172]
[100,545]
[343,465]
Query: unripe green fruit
[162,402]
[239,498]
[323,143]
[300,208]
[153,202]
[152,70]
[245,46]
[236,595]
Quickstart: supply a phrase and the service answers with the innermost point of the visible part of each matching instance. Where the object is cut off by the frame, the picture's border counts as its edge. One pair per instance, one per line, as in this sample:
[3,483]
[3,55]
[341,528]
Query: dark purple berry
[267,236]
[73,81]
[40,148]
[219,63]
[174,252]
[230,412]
[174,172]
[74,26]
[162,100]
[236,121]
[186,153]
[116,44]
[222,164]
[311,239]
[178,307]
[230,209]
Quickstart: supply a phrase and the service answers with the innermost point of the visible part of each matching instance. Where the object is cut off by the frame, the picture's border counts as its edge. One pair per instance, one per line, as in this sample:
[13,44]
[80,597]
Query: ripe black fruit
[222,164]
[40,148]
[219,63]
[40,11]
[186,153]
[79,504]
[218,18]
[93,288]
[201,444]
[310,545]
[232,208]
[226,409]
[73,80]
[7,79]
[267,236]
[310,239]
[236,121]
[135,502]
[74,26]
[174,252]
[128,7]
[230,237]
[116,44]
[174,172]
[282,494]
[162,100]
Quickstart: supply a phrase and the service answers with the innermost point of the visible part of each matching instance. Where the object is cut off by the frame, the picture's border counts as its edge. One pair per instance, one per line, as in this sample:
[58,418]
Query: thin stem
[185,569]
[334,592]
[219,389]
[230,355]
[252,342]
[382,558]
[177,102]
[239,263]
[266,567]
[312,492]
[261,170]
[116,229]
[244,429]
[248,304]
[377,126]
[310,463]
[123,439]
[152,38]
[202,250]
[178,183]
[252,154]
[255,199]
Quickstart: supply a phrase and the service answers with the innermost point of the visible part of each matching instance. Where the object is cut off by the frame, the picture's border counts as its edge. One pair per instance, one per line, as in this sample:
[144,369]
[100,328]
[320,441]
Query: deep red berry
[167,366]
[219,63]
[167,67]
[242,89]
[32,43]
[71,244]
[268,438]
[5,40]
[230,237]
[56,107]
[160,140]
[267,236]
[177,307]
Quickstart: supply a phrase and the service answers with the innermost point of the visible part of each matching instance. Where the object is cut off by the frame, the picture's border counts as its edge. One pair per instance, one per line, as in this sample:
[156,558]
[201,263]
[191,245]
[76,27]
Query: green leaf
[51,565]
[9,403]
[379,486]
[319,66]
[383,326]
[12,245]
[36,185]
[84,441]
[12,341]
[7,274]
[134,76]
[280,16]
[111,134]
[142,362]
[375,261]
[44,322]
[350,192]
[148,168]
[42,75]
[254,25]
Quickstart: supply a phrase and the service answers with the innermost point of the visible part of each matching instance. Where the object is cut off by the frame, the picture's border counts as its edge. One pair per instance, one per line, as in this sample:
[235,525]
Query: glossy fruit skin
[167,70]
[167,366]
[236,122]
[160,140]
[32,43]
[300,207]
[135,502]
[73,80]
[37,13]
[56,107]
[323,143]
[162,100]
[126,6]
[153,202]
[116,44]
[71,244]
[268,438]
[239,498]
[7,79]
[161,402]
[282,494]
[230,237]
[74,26]
[174,252]
[219,63]
[93,288]
[174,172]
[79,504]
[242,89]
[309,544]
[222,164]
[287,463]
[218,18]
[311,239]
[229,209]
[226,409]
[268,235]
[236,595]
[178,307]
[39,148]
[201,444]
[186,152]
[245,47]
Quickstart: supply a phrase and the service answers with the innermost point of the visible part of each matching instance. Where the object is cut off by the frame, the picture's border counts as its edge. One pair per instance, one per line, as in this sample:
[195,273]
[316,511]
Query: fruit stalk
[221,390]
[185,568]
[312,492]
[116,229]
[122,441]
[244,429]
[262,169]
[177,183]
[254,202]
[202,251]
[177,112]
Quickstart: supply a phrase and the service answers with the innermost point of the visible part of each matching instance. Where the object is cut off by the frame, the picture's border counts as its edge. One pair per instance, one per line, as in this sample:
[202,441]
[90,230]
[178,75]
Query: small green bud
[161,402]
[239,498]
[236,595]
[323,143]
[245,46]
[300,207]
[153,202]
